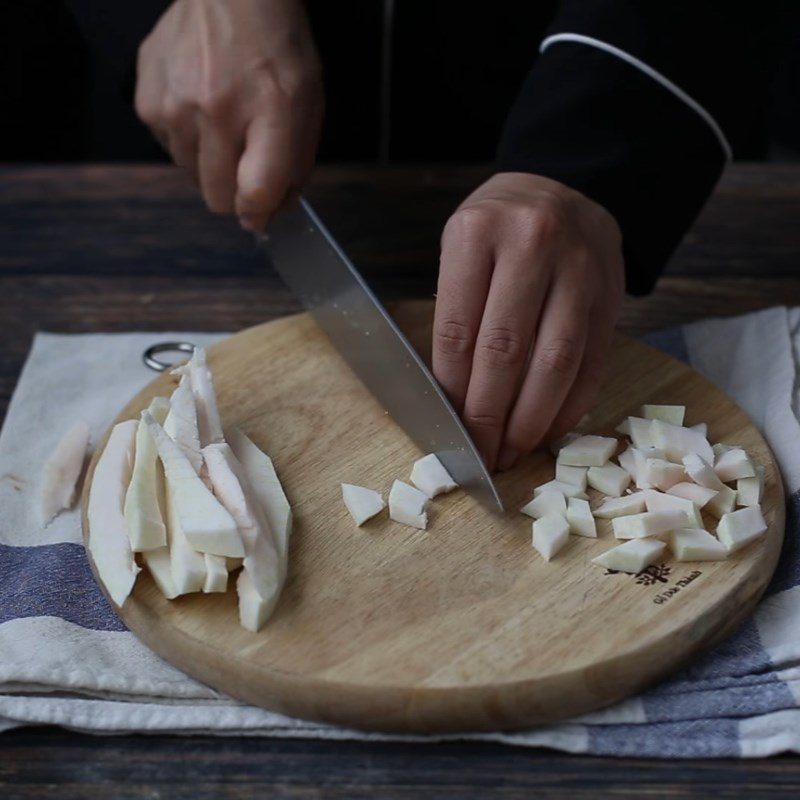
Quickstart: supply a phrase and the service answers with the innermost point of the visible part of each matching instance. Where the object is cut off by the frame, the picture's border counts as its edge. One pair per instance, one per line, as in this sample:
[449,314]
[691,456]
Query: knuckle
[501,346]
[558,357]
[214,99]
[470,224]
[145,108]
[482,419]
[453,337]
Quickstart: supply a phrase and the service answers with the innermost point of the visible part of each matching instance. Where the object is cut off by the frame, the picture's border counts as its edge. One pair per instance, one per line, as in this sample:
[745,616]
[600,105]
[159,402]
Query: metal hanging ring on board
[149,355]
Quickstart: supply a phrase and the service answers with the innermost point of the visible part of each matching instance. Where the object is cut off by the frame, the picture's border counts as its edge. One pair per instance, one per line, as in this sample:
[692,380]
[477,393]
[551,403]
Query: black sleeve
[614,130]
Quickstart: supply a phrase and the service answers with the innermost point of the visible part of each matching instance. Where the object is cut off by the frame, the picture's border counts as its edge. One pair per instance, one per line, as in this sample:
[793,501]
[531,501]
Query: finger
[218,153]
[584,392]
[182,146]
[264,172]
[556,358]
[518,287]
[465,271]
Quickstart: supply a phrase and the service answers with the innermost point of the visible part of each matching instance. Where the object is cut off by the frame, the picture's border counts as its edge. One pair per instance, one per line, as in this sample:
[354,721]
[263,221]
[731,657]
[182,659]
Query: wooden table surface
[130,248]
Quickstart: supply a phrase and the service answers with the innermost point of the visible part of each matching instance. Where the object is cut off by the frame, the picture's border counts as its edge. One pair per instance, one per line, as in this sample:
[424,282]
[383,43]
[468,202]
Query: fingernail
[507,458]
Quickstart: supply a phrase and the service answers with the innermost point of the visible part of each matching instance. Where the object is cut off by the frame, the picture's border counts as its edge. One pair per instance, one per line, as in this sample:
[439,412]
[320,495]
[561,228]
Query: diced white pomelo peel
[721,448]
[145,505]
[627,460]
[699,495]
[723,503]
[738,528]
[672,414]
[430,477]
[266,487]
[262,559]
[567,489]
[362,503]
[232,564]
[701,472]
[181,423]
[734,464]
[750,490]
[650,523]
[575,476]
[556,446]
[407,505]
[663,474]
[205,522]
[550,534]
[109,542]
[696,544]
[545,503]
[639,432]
[159,565]
[659,501]
[580,519]
[609,479]
[677,442]
[621,506]
[700,428]
[62,471]
[588,451]
[216,574]
[205,397]
[633,556]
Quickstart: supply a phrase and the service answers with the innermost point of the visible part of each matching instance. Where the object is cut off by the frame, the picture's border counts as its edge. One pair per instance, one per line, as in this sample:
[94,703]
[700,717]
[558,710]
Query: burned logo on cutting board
[657,574]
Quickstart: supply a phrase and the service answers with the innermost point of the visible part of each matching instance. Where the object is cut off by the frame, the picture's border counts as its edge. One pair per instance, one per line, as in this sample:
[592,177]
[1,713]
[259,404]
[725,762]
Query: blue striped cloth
[67,659]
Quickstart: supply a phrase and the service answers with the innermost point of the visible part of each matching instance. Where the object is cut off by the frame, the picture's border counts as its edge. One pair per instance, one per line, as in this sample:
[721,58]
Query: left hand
[531,283]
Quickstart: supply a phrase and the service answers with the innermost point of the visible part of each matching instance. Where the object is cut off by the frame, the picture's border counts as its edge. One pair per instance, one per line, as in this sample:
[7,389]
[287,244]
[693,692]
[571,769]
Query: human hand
[531,282]
[233,92]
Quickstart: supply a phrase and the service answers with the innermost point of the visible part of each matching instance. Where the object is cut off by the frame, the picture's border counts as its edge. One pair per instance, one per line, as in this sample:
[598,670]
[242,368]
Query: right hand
[233,92]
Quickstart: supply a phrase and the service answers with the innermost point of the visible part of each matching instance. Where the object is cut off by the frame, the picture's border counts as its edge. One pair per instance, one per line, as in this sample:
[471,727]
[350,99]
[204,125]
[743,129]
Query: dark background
[67,74]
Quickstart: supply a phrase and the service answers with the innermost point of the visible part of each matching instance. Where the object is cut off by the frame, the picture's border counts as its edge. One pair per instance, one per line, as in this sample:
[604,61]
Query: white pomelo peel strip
[362,503]
[430,477]
[263,560]
[205,522]
[109,542]
[216,574]
[145,504]
[181,423]
[205,397]
[266,487]
[62,471]
[159,565]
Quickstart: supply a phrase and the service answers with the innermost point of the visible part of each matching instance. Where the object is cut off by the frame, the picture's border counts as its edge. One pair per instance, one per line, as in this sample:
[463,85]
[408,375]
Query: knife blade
[322,277]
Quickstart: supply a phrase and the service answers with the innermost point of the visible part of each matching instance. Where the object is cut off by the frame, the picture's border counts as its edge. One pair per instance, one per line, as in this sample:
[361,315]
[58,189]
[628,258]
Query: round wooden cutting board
[463,626]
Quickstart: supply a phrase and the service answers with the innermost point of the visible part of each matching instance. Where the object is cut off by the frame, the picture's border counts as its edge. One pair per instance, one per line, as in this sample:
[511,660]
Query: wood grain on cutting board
[463,626]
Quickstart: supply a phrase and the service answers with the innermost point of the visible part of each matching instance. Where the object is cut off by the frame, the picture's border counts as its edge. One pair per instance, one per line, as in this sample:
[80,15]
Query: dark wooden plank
[196,768]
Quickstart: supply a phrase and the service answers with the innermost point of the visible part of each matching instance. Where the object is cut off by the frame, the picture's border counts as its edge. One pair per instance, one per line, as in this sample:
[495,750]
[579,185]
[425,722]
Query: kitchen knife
[323,278]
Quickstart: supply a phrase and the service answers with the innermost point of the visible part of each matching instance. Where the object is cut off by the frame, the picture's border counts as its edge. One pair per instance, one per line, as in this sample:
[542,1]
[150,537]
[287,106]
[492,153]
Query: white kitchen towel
[67,659]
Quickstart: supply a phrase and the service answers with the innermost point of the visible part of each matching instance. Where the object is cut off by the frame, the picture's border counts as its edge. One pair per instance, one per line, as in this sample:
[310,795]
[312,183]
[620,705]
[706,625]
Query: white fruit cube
[639,431]
[633,556]
[701,428]
[720,448]
[701,472]
[699,495]
[651,523]
[580,519]
[556,446]
[663,474]
[609,479]
[567,489]
[588,451]
[672,414]
[545,503]
[659,501]
[739,528]
[550,534]
[216,574]
[678,442]
[734,464]
[407,505]
[696,544]
[362,503]
[576,476]
[749,490]
[429,476]
[621,506]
